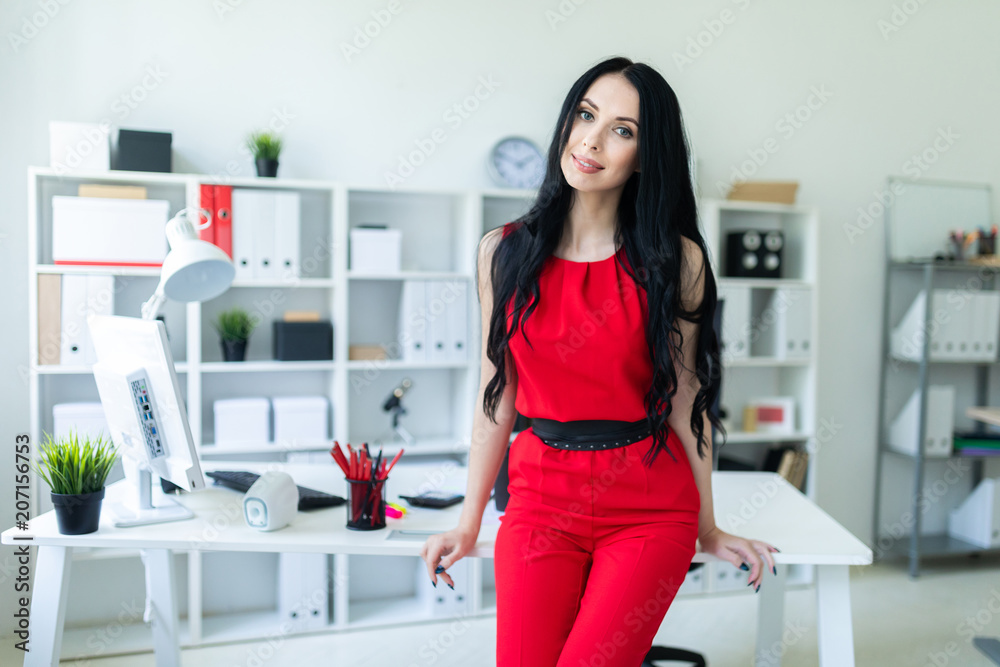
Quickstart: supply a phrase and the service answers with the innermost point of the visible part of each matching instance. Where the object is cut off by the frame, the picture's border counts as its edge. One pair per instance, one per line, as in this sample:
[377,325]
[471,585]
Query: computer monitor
[146,416]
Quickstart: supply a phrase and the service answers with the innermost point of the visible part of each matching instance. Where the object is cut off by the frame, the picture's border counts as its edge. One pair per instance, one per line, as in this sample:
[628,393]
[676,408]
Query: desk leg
[48,606]
[771,619]
[160,589]
[836,634]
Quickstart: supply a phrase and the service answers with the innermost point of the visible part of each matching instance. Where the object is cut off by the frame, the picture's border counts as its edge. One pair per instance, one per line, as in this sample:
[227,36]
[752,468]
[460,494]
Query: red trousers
[591,549]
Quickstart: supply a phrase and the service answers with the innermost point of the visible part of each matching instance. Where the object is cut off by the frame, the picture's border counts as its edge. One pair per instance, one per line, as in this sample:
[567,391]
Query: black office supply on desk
[241,480]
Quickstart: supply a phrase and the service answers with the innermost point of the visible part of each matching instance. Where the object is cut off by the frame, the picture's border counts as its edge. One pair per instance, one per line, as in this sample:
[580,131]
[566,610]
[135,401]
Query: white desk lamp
[194,270]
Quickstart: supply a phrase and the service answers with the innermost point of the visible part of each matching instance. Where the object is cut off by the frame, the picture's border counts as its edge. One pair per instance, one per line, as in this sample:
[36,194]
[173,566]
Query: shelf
[943,265]
[914,360]
[83,369]
[906,455]
[763,283]
[767,361]
[318,283]
[409,275]
[935,544]
[111,176]
[759,436]
[266,366]
[386,611]
[395,364]
[209,449]
[68,269]
[741,205]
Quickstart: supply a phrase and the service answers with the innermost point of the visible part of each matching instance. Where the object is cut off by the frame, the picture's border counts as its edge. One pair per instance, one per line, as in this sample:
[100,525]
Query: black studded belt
[589,434]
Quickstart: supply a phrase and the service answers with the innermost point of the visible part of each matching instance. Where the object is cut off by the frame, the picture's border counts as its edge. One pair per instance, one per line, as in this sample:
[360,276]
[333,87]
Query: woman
[597,311]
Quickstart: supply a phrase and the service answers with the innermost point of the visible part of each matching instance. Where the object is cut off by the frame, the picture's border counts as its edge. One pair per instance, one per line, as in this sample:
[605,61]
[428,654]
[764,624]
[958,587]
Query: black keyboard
[241,480]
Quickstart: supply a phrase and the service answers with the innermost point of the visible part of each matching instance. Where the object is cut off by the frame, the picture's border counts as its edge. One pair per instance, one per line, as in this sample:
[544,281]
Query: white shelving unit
[441,231]
[758,375]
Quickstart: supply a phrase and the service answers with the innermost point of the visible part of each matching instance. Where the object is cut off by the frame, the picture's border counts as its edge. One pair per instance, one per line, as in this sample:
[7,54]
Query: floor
[929,622]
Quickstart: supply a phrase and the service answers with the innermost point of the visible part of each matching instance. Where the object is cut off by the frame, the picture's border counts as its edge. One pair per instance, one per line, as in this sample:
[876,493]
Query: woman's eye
[583,111]
[628,132]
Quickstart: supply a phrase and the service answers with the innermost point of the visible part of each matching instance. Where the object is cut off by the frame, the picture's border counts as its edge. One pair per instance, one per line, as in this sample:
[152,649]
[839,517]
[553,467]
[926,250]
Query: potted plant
[234,327]
[265,147]
[75,468]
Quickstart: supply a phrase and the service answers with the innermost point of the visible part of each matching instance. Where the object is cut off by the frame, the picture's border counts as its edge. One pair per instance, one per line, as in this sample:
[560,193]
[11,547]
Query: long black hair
[657,208]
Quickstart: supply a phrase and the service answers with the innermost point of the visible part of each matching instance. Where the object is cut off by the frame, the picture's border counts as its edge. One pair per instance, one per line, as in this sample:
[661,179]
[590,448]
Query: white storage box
[300,419]
[79,146]
[242,421]
[86,418]
[375,250]
[939,437]
[109,232]
[977,520]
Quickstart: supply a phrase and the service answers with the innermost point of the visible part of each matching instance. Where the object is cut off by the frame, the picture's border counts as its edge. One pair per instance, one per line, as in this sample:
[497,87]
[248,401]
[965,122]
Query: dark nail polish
[451,587]
[775,570]
[435,584]
[757,590]
[743,566]
[777,549]
[439,570]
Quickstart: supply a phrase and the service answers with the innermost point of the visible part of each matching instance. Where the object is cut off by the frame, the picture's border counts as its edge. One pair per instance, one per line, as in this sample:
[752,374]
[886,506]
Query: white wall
[218,75]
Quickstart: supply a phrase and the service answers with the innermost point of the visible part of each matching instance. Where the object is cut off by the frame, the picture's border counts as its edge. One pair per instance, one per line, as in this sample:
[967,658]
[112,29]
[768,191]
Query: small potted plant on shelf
[234,327]
[265,147]
[75,468]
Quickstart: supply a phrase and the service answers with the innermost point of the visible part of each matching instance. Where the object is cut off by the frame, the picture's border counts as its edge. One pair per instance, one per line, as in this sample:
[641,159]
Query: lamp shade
[196,270]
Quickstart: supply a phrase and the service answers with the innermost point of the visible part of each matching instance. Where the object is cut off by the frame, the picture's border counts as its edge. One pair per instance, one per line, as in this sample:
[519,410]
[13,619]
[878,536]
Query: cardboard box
[780,192]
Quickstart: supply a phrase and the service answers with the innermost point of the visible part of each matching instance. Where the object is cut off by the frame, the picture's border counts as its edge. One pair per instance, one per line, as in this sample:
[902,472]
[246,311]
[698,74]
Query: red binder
[224,218]
[206,201]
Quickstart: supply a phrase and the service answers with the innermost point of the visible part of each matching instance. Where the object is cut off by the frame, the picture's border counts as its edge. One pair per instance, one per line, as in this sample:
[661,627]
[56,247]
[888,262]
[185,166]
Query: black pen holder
[365,504]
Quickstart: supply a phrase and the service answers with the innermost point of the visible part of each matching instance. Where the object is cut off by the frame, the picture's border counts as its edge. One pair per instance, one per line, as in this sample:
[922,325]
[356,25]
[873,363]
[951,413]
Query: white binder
[953,328]
[458,323]
[75,335]
[986,323]
[437,314]
[735,321]
[245,211]
[100,301]
[786,331]
[287,216]
[412,325]
[939,433]
[264,233]
[977,519]
[302,590]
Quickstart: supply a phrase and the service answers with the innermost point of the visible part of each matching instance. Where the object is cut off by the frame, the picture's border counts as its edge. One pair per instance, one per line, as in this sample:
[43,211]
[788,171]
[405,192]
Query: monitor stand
[133,506]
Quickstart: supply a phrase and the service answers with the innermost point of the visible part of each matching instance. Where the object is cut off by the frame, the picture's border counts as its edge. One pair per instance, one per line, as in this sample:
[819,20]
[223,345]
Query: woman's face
[605,135]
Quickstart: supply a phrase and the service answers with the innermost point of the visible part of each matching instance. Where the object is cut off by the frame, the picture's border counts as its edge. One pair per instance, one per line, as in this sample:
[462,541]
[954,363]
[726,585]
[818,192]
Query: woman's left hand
[739,550]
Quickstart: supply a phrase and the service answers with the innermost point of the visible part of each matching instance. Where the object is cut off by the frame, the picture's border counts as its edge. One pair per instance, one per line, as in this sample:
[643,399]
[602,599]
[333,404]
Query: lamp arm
[151,308]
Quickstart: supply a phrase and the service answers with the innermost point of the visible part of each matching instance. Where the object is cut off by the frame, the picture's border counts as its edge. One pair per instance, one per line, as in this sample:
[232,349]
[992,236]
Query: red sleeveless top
[586,355]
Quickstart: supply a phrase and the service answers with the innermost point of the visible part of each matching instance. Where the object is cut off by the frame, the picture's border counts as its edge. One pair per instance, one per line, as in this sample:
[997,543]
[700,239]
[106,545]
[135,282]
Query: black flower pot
[267,167]
[78,514]
[234,350]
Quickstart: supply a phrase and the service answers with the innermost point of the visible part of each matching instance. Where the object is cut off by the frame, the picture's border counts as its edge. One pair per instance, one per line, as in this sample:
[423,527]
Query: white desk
[765,505]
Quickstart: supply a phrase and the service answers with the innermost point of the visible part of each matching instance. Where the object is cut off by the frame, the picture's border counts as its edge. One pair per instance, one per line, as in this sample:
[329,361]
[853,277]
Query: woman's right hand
[445,549]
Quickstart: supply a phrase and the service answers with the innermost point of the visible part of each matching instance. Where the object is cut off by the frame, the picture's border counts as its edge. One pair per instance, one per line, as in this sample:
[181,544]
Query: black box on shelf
[755,253]
[302,341]
[142,150]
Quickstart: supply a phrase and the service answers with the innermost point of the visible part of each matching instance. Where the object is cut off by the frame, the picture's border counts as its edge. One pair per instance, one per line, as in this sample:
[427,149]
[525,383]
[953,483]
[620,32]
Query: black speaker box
[140,150]
[753,253]
[302,341]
